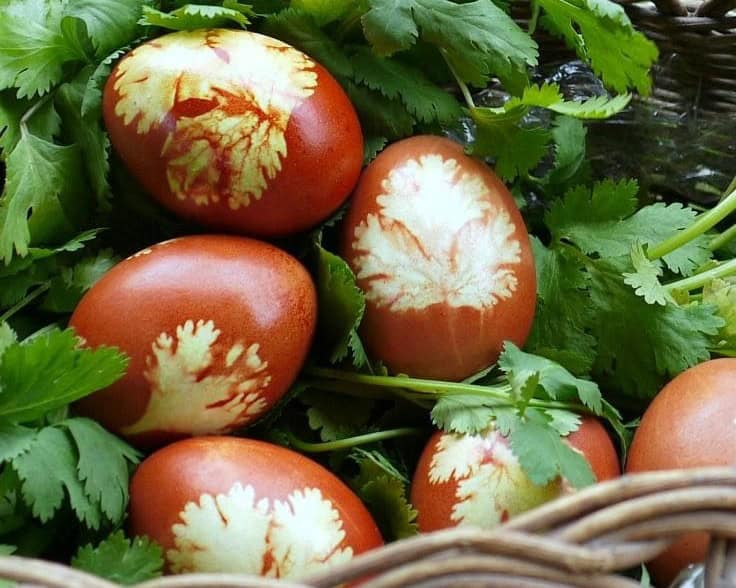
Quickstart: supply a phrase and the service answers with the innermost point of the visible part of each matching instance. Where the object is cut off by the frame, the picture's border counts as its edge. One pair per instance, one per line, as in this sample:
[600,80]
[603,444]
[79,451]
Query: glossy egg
[475,480]
[234,130]
[216,328]
[691,423]
[223,504]
[440,250]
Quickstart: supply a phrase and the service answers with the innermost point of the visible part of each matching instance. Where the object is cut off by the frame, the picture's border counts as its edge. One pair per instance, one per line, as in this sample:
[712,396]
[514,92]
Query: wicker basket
[696,72]
[582,540]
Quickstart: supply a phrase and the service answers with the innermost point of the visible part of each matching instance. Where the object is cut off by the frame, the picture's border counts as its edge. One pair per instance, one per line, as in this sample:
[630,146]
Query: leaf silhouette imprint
[225,98]
[491,485]
[198,387]
[236,532]
[436,239]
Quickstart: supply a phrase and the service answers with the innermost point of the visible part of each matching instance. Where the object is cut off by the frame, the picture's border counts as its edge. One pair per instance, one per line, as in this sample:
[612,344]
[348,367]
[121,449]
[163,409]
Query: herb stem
[699,280]
[417,389]
[704,222]
[532,24]
[27,299]
[350,442]
[462,85]
[723,239]
[33,110]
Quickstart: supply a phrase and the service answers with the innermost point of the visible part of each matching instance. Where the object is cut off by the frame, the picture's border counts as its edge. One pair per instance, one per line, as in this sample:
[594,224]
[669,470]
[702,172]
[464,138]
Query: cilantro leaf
[424,100]
[87,133]
[602,222]
[380,115]
[544,455]
[640,344]
[721,294]
[196,16]
[121,560]
[478,38]
[334,416]
[564,314]
[50,371]
[102,466]
[109,23]
[7,337]
[45,122]
[384,491]
[550,96]
[301,30]
[341,302]
[67,288]
[37,172]
[48,471]
[603,35]
[465,413]
[645,277]
[324,11]
[524,370]
[33,48]
[14,440]
[372,147]
[570,166]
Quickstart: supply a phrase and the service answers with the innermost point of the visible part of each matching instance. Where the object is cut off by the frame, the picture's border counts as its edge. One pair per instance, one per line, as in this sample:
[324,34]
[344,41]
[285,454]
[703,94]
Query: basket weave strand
[582,540]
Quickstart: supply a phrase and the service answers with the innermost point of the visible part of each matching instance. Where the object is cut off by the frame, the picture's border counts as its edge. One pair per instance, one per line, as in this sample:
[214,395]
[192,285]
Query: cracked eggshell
[441,251]
[216,328]
[475,480]
[234,130]
[224,504]
[691,423]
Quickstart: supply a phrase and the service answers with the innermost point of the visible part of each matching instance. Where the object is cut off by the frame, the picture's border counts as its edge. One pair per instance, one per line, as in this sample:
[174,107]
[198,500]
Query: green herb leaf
[425,101]
[564,313]
[102,466]
[645,277]
[37,172]
[45,122]
[602,222]
[639,344]
[51,371]
[121,560]
[720,294]
[342,305]
[324,11]
[465,413]
[301,30]
[33,48]
[109,23]
[603,35]
[384,491]
[194,16]
[524,370]
[334,416]
[372,147]
[14,440]
[478,38]
[67,289]
[544,455]
[48,471]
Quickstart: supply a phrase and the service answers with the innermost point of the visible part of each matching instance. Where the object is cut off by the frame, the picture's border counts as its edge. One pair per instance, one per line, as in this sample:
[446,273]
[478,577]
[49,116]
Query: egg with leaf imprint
[235,130]
[223,504]
[216,328]
[477,481]
[441,251]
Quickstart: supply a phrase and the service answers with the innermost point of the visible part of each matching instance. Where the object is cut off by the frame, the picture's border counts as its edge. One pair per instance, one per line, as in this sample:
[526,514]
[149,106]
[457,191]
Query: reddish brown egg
[222,504]
[691,423]
[475,480]
[216,328]
[234,130]
[442,254]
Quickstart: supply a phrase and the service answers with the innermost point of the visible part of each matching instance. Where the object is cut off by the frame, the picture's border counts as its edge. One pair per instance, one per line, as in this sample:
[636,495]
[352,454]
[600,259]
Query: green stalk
[462,85]
[532,25]
[26,300]
[723,239]
[421,389]
[703,223]
[699,280]
[350,442]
